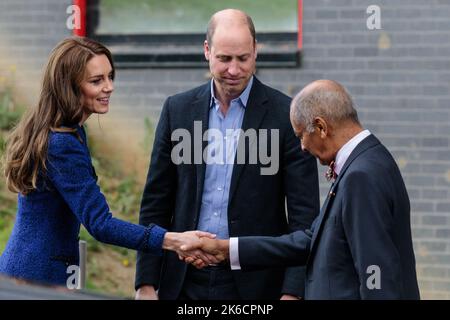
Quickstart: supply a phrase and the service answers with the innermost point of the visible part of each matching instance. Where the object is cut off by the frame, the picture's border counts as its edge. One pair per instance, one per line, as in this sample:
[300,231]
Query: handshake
[198,248]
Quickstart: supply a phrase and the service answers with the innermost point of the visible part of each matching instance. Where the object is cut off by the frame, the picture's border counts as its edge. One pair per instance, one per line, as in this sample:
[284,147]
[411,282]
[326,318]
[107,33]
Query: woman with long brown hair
[47,162]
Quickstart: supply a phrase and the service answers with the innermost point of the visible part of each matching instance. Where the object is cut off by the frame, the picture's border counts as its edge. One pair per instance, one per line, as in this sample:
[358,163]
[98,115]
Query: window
[170,33]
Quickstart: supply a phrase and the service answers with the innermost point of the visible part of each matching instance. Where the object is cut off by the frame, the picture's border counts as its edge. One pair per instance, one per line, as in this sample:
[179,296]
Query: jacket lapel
[367,143]
[323,212]
[254,114]
[200,113]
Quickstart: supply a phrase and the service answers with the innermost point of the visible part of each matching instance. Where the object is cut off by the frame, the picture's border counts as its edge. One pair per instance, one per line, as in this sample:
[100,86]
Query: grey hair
[212,24]
[331,102]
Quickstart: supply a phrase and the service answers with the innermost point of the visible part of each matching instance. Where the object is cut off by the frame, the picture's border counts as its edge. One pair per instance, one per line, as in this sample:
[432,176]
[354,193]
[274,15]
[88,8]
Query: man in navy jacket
[233,198]
[360,245]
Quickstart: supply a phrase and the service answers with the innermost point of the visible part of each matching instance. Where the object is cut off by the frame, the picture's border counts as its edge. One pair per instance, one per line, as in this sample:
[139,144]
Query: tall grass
[10,113]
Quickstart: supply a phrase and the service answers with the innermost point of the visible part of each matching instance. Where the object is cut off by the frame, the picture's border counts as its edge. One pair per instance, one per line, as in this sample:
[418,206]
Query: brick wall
[399,77]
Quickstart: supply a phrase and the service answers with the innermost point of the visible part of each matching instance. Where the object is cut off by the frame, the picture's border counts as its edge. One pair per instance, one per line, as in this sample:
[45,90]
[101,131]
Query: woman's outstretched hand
[180,241]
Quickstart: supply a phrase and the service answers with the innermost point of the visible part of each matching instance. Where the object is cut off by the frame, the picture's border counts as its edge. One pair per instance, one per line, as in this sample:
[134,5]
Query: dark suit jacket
[364,222]
[173,193]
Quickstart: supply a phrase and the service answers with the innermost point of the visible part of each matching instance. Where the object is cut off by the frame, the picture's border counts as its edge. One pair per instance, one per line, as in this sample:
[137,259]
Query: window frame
[275,49]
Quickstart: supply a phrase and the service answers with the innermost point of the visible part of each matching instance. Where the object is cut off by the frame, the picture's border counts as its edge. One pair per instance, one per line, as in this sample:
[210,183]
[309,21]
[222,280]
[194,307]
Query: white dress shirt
[347,149]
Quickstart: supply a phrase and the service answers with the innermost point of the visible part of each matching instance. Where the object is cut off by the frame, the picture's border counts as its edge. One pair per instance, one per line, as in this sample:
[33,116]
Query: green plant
[7,211]
[149,134]
[92,244]
[9,112]
[5,231]
[2,143]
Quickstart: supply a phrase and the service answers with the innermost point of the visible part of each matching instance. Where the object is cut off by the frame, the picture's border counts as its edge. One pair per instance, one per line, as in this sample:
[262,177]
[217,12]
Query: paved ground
[11,289]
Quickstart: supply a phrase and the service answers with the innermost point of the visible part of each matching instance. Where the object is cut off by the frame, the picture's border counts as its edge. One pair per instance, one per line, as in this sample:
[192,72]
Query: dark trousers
[211,283]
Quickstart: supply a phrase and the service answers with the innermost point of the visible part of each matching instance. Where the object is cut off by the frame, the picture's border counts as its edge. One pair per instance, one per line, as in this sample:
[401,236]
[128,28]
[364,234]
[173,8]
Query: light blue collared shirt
[223,136]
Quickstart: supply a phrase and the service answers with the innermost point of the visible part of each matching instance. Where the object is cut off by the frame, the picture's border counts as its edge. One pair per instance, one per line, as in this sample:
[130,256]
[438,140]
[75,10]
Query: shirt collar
[347,149]
[243,98]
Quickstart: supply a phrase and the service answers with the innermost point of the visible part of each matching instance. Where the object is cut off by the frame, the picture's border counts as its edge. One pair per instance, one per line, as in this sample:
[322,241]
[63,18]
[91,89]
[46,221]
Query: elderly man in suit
[360,245]
[240,197]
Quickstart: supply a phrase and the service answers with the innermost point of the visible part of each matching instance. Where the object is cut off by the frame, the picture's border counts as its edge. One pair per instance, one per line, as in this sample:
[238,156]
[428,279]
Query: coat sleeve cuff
[234,254]
[154,238]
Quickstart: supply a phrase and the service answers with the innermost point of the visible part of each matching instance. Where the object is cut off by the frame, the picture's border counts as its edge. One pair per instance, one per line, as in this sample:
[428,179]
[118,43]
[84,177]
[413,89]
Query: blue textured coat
[44,240]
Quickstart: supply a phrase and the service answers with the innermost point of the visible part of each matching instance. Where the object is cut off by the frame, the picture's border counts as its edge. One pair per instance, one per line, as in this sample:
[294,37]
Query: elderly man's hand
[175,240]
[219,249]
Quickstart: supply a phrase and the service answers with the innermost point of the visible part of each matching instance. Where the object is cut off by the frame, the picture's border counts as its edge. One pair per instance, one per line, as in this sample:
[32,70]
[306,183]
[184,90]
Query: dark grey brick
[442,233]
[392,77]
[443,103]
[408,103]
[324,65]
[407,89]
[421,206]
[439,142]
[365,77]
[436,38]
[366,52]
[434,154]
[437,259]
[435,90]
[436,64]
[443,25]
[426,77]
[314,26]
[406,12]
[443,130]
[340,52]
[442,181]
[435,272]
[433,246]
[400,38]
[315,52]
[432,167]
[342,26]
[443,207]
[443,51]
[379,91]
[422,232]
[420,180]
[435,220]
[325,3]
[352,38]
[442,286]
[359,13]
[435,193]
[326,14]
